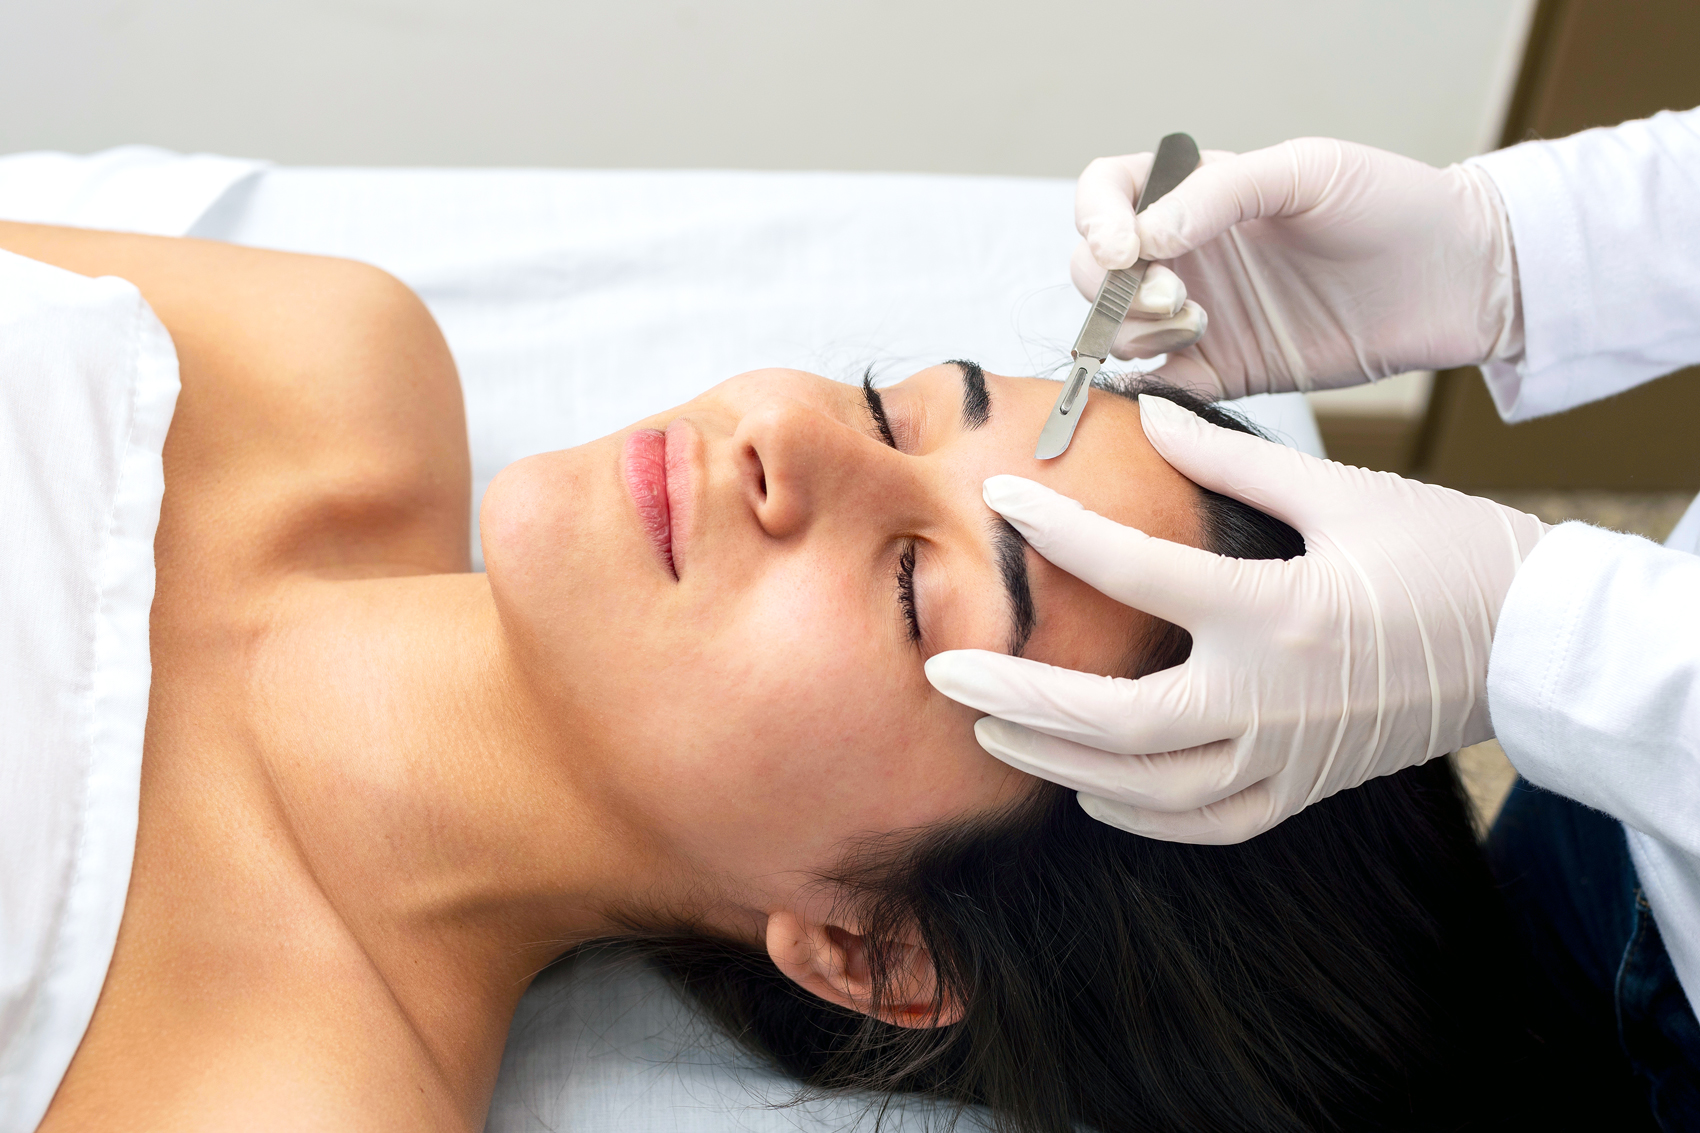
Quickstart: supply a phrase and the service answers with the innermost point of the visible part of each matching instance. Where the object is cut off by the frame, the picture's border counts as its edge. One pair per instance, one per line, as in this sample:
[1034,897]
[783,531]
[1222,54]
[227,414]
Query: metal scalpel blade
[1065,414]
[1177,156]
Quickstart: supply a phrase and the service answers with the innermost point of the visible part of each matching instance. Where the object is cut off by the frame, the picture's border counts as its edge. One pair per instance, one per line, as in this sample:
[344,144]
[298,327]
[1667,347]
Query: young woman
[685,706]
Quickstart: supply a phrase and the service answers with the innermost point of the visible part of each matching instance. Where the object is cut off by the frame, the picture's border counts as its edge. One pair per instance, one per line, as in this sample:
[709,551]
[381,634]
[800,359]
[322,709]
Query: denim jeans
[1602,972]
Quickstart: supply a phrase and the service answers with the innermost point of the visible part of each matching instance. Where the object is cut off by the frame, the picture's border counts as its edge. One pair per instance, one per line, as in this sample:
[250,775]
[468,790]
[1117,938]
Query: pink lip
[645,465]
[658,473]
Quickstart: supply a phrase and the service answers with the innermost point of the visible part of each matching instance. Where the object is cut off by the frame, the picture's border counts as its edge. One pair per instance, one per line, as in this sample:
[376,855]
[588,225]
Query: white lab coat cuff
[1592,682]
[1601,224]
[1532,645]
[1548,238]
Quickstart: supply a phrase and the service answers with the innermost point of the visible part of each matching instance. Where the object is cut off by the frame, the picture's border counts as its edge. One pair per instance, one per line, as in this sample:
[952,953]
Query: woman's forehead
[1110,467]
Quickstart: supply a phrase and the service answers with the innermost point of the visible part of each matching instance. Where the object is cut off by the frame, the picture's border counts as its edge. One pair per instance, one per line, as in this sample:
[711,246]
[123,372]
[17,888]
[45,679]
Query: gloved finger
[1170,782]
[1152,715]
[1290,485]
[1282,180]
[1161,292]
[1172,581]
[1104,199]
[1147,338]
[1235,819]
[1103,208]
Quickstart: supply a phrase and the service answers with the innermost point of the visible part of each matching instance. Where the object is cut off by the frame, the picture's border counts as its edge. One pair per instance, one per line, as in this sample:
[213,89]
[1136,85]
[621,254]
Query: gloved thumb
[1103,208]
[1172,581]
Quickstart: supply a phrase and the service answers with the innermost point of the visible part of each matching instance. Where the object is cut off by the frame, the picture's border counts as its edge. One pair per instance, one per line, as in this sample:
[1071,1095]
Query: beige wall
[994,86]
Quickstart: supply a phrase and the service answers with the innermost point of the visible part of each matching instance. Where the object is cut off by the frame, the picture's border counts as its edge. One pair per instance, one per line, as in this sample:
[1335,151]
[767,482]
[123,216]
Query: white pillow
[88,382]
[604,1043]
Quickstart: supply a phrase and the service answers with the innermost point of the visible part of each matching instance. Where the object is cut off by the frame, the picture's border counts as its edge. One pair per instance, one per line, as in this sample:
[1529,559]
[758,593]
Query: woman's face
[757,700]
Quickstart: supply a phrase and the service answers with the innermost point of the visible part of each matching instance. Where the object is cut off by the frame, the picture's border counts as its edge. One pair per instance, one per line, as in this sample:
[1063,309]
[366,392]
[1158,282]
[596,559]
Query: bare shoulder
[320,425]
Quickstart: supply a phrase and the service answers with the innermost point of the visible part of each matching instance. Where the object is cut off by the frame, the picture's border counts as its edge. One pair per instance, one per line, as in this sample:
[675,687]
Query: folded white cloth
[127,189]
[88,382]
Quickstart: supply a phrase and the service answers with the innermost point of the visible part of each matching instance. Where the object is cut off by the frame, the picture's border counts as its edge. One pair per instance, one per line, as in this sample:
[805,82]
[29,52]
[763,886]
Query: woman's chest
[236,996]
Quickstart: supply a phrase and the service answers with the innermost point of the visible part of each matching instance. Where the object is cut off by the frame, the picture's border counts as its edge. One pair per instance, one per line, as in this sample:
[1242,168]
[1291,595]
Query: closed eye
[906,592]
[905,561]
[876,408]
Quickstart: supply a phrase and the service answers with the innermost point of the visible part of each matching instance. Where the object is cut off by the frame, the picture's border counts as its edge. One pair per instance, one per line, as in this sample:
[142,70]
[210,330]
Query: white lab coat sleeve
[1606,227]
[1594,690]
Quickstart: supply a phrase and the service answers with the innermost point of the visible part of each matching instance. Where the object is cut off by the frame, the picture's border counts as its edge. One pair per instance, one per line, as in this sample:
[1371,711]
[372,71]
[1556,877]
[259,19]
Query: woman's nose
[796,462]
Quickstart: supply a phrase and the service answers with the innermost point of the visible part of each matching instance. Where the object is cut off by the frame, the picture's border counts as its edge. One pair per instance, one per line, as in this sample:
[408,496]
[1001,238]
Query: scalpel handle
[1177,156]
[1115,296]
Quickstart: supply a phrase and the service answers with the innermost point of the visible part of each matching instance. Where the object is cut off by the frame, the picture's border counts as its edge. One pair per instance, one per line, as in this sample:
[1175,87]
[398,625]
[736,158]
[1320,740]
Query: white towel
[88,382]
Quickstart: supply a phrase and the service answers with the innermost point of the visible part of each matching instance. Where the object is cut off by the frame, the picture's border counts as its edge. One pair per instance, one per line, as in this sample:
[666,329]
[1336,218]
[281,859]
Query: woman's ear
[831,961]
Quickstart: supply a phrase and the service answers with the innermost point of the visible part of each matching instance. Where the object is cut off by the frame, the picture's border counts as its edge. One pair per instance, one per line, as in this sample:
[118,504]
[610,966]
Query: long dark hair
[1334,973]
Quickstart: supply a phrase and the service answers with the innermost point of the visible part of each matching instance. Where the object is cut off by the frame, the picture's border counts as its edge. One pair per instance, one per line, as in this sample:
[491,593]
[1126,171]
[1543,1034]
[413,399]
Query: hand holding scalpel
[1177,156]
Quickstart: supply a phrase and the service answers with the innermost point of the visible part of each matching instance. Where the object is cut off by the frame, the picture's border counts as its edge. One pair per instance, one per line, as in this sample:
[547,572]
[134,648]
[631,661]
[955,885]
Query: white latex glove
[1365,655]
[1320,263]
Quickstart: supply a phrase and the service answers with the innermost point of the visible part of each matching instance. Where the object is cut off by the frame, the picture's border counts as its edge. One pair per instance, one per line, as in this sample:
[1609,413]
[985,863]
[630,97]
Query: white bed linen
[88,382]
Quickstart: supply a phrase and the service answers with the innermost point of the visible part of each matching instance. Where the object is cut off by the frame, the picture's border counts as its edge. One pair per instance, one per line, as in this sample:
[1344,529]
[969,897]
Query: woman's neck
[432,799]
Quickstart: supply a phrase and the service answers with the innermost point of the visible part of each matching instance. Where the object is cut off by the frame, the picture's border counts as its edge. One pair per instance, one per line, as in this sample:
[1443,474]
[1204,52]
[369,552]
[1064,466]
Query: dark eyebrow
[976,400]
[1011,550]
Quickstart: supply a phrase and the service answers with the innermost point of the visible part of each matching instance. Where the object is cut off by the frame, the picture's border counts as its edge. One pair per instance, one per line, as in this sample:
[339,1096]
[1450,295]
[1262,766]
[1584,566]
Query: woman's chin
[544,528]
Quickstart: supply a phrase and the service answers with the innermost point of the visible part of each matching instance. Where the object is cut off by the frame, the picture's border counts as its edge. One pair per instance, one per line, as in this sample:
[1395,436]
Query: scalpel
[1177,156]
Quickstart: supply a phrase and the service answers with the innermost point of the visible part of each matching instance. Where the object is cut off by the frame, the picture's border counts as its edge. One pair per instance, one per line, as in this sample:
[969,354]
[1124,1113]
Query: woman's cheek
[848,743]
[821,680]
[765,721]
[796,719]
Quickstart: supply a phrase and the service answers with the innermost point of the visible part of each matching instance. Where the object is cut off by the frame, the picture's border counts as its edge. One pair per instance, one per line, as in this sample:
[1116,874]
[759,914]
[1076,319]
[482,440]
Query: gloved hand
[1365,655]
[1320,263]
